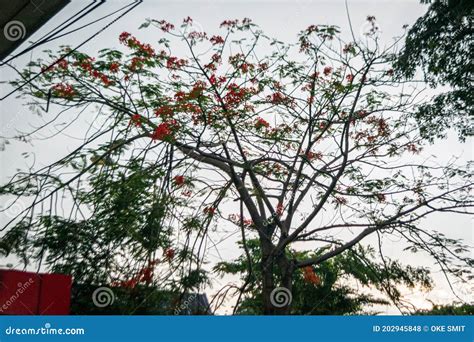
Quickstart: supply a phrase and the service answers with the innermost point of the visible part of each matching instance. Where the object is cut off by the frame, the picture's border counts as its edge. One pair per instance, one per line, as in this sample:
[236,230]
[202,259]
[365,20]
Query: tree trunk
[277,298]
[286,268]
[267,277]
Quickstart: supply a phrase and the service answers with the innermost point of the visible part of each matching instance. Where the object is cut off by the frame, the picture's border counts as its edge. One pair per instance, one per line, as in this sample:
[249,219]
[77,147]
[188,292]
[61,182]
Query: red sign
[28,293]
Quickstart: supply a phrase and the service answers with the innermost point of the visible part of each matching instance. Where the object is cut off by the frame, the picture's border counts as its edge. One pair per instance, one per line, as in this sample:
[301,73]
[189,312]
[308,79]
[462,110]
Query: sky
[279,19]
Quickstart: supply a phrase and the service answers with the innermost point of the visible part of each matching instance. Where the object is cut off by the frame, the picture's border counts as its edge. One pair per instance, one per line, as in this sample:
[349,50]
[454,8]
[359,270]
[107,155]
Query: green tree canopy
[310,144]
[441,43]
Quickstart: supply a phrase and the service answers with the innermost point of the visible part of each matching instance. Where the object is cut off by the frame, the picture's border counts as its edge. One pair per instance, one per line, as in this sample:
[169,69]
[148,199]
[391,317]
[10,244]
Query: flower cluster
[133,43]
[235,95]
[145,275]
[165,26]
[169,254]
[235,218]
[230,23]
[261,123]
[210,211]
[179,180]
[314,155]
[277,98]
[216,40]
[114,67]
[174,63]
[310,276]
[165,130]
[86,64]
[217,81]
[164,111]
[136,120]
[62,64]
[63,90]
[102,77]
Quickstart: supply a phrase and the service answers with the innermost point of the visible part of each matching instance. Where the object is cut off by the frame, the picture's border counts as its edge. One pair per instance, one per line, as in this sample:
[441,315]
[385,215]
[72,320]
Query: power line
[89,24]
[136,3]
[52,33]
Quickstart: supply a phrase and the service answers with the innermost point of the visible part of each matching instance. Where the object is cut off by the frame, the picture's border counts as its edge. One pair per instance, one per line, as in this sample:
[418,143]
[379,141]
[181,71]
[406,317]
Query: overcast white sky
[279,19]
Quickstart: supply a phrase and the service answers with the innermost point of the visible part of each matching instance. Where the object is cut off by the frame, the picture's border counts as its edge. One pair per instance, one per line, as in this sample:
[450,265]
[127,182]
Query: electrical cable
[50,34]
[136,3]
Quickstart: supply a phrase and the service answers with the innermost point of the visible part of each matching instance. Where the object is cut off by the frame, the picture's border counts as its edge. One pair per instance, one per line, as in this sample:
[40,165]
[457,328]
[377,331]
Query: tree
[441,43]
[454,309]
[313,143]
[328,288]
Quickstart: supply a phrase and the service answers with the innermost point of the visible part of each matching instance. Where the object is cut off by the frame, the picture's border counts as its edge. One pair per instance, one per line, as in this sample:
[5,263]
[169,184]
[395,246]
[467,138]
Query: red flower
[165,26]
[188,20]
[136,62]
[146,274]
[216,58]
[136,119]
[217,40]
[229,23]
[311,155]
[247,222]
[179,180]
[235,95]
[350,77]
[164,111]
[180,96]
[175,63]
[213,79]
[263,66]
[63,90]
[210,66]
[130,284]
[62,63]
[261,123]
[209,211]
[187,193]
[277,98]
[124,37]
[311,29]
[105,80]
[390,72]
[310,276]
[161,132]
[114,67]
[146,49]
[327,70]
[413,148]
[340,200]
[169,254]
